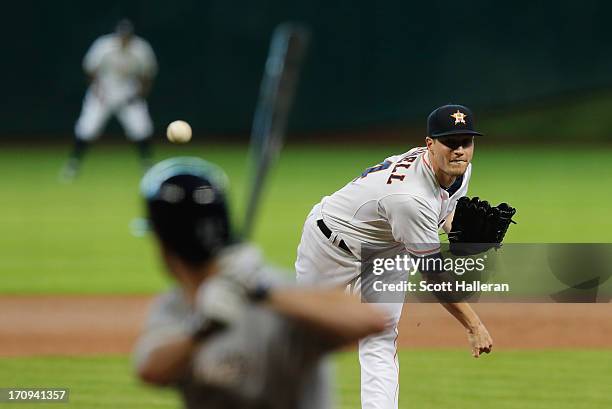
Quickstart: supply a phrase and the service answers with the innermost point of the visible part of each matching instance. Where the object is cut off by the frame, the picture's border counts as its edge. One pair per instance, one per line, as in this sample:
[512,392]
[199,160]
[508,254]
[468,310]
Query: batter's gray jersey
[262,361]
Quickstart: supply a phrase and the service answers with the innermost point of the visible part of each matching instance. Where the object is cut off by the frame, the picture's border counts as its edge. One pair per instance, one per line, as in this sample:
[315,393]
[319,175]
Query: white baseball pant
[321,262]
[134,118]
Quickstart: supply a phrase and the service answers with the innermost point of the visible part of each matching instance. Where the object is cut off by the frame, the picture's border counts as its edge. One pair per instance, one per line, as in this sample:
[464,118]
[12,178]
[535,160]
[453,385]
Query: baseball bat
[276,95]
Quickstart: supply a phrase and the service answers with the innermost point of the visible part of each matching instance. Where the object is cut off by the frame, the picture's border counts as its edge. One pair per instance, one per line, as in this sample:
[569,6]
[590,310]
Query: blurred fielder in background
[229,336]
[121,68]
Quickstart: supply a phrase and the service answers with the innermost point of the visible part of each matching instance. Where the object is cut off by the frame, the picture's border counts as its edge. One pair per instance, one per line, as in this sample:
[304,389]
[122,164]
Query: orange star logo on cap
[459,117]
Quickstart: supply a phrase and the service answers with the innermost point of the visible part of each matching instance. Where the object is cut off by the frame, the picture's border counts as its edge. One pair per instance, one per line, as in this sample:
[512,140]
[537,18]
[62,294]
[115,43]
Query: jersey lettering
[405,163]
[394,177]
[381,166]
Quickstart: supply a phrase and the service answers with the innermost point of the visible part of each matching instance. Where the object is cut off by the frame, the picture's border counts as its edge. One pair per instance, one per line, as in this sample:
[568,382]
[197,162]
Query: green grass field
[76,239]
[430,380]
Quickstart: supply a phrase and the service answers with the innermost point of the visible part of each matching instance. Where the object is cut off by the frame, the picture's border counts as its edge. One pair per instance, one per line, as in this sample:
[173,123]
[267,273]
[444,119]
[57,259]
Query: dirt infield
[83,325]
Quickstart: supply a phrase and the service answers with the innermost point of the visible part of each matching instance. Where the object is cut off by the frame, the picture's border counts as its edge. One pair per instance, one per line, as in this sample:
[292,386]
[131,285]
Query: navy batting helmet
[186,207]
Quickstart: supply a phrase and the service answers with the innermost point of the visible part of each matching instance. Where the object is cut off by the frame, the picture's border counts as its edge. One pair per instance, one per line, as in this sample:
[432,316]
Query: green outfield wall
[370,62]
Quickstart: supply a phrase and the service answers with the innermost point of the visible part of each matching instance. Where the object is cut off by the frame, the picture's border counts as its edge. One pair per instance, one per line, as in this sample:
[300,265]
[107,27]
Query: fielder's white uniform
[393,207]
[117,71]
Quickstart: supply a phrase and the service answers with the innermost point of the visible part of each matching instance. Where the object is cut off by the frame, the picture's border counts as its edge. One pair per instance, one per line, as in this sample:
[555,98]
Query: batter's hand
[220,301]
[480,340]
[248,276]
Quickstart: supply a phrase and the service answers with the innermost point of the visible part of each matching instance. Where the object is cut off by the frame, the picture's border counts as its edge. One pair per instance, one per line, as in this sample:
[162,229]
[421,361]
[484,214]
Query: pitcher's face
[451,154]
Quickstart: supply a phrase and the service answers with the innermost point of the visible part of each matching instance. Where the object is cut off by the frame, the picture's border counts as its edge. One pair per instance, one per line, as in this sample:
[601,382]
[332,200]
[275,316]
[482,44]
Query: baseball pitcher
[120,67]
[395,207]
[230,335]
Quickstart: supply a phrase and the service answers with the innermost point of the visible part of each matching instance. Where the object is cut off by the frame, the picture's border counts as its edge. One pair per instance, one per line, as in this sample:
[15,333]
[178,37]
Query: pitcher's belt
[327,233]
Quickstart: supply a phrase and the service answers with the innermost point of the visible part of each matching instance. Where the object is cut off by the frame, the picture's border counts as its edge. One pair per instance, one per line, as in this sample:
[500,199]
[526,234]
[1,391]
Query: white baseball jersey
[118,70]
[395,206]
[397,201]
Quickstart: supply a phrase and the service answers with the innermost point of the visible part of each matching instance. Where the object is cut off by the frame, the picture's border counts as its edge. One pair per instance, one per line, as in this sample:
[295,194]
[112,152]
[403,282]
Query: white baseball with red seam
[179,132]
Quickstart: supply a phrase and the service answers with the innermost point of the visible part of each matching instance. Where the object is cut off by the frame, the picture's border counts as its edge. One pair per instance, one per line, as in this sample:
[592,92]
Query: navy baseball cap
[451,120]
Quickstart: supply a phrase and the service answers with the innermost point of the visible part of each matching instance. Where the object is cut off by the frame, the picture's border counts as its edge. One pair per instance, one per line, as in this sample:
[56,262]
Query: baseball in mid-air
[179,132]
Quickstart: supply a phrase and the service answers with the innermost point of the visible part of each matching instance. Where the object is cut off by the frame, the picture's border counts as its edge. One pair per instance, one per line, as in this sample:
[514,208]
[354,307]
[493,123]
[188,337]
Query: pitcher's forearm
[464,313]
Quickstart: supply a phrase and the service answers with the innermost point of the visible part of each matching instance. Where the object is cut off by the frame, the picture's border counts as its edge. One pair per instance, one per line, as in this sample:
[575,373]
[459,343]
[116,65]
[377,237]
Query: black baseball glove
[478,223]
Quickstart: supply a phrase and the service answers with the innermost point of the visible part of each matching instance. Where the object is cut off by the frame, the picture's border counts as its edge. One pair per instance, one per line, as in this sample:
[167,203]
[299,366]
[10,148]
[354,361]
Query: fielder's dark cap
[187,208]
[124,27]
[451,120]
